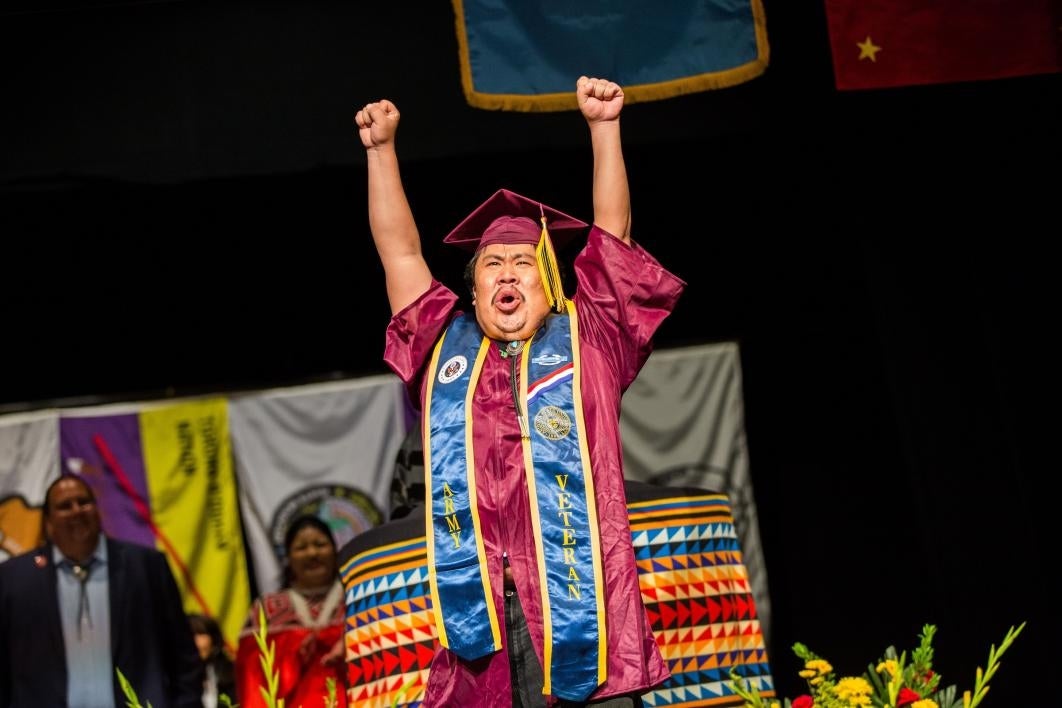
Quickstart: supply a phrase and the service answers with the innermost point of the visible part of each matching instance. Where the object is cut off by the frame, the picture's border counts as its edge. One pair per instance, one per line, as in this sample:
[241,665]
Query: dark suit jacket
[151,640]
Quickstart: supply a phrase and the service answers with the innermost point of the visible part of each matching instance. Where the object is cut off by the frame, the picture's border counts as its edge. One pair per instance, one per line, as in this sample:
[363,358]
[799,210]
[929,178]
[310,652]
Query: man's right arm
[394,231]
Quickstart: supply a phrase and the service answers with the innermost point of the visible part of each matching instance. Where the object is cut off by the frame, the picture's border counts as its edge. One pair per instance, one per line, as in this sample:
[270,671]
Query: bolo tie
[84,616]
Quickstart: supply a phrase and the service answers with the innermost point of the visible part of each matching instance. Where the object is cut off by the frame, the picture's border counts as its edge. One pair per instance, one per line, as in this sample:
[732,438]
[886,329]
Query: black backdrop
[183,211]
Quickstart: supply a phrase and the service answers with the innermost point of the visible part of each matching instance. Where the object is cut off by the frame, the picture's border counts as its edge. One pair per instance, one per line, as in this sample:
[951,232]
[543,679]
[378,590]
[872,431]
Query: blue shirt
[86,623]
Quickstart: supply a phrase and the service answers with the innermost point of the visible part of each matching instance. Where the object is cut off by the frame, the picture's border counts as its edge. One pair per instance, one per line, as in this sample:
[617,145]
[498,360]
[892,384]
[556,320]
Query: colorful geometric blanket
[690,570]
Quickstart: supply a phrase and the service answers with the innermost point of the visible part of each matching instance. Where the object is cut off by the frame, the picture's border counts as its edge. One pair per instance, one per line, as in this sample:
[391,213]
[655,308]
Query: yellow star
[868,50]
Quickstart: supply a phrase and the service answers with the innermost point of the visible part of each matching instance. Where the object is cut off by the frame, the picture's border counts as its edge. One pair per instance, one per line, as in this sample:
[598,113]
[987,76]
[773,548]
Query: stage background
[183,211]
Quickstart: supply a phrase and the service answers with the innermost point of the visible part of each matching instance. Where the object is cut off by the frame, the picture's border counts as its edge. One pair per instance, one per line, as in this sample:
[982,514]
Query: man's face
[72,519]
[508,296]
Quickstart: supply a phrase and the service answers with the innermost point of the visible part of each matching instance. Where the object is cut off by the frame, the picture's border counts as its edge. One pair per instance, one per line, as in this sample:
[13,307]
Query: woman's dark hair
[298,524]
[219,657]
[201,624]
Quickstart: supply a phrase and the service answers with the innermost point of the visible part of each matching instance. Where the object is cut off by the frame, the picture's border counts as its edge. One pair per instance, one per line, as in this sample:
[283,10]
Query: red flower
[906,696]
[804,702]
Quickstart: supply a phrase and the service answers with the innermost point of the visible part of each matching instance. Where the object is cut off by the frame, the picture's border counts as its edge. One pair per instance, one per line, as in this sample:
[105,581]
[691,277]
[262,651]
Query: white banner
[683,425]
[29,461]
[327,449]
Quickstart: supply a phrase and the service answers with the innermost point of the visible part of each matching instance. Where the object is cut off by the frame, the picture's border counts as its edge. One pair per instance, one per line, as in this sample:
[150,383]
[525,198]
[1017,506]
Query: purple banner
[118,493]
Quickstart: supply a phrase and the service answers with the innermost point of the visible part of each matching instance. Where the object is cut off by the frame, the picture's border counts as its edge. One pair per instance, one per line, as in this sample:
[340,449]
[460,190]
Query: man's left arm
[601,102]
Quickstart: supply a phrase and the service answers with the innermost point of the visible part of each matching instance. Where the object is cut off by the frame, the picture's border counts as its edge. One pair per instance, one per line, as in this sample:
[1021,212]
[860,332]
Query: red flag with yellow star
[885,43]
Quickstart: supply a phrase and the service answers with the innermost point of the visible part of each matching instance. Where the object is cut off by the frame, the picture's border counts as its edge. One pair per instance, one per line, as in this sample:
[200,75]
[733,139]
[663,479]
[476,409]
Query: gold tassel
[549,270]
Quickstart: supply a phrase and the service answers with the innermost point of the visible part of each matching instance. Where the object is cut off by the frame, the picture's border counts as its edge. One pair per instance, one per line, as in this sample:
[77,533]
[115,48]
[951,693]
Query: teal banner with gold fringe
[521,56]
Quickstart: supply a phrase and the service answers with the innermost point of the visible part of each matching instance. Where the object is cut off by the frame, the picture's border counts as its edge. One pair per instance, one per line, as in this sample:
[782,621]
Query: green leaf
[127,688]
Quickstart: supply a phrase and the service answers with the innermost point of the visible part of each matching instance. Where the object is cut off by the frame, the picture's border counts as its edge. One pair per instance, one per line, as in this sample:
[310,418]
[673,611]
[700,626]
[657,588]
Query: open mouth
[507,300]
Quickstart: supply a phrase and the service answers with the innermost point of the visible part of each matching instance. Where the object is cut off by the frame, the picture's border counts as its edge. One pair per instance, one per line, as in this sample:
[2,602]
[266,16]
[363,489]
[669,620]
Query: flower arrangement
[893,682]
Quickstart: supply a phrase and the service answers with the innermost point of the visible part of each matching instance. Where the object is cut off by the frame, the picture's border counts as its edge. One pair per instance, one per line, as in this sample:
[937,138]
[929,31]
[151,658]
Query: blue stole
[561,491]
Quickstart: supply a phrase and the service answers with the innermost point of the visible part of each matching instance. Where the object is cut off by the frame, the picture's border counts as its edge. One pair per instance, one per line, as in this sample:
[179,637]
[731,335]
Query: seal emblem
[552,423]
[452,369]
[346,511]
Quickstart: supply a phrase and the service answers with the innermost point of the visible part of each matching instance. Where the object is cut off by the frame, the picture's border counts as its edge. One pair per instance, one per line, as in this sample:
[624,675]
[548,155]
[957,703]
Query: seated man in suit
[82,607]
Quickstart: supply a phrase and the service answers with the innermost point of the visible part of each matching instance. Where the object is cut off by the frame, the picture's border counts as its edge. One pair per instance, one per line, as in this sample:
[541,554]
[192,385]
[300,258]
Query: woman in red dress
[305,621]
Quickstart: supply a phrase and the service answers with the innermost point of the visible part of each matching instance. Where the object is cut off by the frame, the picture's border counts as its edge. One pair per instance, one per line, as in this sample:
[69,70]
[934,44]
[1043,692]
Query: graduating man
[528,538]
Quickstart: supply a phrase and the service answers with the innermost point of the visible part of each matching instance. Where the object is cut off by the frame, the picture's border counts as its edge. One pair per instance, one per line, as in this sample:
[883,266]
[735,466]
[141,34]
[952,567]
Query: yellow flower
[855,690]
[819,666]
[925,703]
[889,665]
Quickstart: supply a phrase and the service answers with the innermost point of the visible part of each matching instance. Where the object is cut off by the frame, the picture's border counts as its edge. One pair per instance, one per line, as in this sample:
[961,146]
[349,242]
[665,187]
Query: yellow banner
[188,465]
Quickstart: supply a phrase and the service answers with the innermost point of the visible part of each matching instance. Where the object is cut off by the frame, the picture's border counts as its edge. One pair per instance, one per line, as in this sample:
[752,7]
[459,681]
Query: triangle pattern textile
[693,583]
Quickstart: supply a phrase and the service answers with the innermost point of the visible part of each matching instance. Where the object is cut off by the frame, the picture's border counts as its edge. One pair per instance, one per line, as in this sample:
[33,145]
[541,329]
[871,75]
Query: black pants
[526,670]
